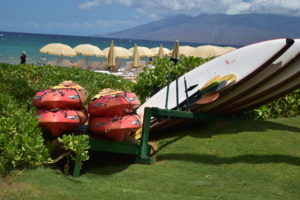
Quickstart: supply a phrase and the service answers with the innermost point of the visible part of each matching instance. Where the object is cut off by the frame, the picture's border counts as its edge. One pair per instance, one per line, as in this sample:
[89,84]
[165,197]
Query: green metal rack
[142,150]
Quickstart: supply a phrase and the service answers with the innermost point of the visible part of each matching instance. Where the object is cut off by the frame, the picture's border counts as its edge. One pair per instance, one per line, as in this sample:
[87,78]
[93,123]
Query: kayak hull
[114,128]
[63,98]
[114,105]
[57,121]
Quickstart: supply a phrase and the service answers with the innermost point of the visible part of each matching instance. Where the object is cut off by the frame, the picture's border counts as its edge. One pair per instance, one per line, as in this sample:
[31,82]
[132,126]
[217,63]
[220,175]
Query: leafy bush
[154,79]
[77,144]
[21,140]
[287,106]
[23,81]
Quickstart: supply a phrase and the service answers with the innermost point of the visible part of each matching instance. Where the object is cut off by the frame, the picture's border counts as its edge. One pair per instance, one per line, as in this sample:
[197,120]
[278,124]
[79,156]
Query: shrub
[77,145]
[287,106]
[21,140]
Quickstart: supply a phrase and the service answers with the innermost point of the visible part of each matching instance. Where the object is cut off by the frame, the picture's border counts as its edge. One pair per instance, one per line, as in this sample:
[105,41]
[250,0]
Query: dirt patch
[154,147]
[8,186]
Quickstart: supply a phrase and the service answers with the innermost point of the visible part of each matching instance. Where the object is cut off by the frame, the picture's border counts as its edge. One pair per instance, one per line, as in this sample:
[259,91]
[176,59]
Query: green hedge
[287,106]
[21,140]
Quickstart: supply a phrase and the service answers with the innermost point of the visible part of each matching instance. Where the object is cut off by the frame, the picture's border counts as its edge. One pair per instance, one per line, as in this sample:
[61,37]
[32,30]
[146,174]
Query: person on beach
[23,58]
[41,61]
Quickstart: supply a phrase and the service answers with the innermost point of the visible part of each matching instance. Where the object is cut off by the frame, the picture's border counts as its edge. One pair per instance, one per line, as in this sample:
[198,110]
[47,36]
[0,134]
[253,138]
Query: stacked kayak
[65,95]
[61,107]
[112,114]
[57,121]
[113,103]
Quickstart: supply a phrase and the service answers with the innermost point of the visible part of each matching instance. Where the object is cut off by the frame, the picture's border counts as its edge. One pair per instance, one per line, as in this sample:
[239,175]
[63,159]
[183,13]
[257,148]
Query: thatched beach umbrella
[111,61]
[88,50]
[229,49]
[58,49]
[160,51]
[175,51]
[120,52]
[143,51]
[185,50]
[207,51]
[136,57]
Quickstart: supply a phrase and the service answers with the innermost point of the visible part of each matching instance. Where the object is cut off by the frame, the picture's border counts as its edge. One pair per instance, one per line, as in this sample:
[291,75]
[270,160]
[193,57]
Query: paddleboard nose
[289,41]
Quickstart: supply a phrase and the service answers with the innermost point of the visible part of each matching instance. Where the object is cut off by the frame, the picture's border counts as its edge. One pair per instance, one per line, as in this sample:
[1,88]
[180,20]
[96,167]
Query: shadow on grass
[202,130]
[215,160]
[240,126]
[106,163]
[207,130]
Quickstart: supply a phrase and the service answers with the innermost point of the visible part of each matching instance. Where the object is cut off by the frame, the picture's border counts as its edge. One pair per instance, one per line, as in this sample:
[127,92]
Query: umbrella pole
[87,62]
[58,59]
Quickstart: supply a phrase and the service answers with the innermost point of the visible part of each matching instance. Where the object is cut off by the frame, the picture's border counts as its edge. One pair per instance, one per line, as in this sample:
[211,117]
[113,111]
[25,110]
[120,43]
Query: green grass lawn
[224,160]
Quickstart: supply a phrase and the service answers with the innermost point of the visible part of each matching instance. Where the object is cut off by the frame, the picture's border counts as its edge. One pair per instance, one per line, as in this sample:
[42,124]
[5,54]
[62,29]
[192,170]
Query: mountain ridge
[239,29]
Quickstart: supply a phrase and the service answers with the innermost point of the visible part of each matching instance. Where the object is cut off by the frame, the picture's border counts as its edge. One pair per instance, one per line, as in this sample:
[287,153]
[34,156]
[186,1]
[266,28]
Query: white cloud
[160,8]
[95,3]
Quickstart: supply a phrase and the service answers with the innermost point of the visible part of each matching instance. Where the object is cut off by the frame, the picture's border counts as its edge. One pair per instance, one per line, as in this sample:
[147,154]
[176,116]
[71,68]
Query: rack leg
[76,171]
[143,156]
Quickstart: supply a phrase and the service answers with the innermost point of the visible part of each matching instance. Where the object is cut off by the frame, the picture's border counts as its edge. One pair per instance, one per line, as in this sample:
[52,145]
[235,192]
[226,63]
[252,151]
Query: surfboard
[289,86]
[281,85]
[270,75]
[289,66]
[244,63]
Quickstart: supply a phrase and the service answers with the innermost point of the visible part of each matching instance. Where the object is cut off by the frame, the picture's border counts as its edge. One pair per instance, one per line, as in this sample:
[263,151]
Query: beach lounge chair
[66,63]
[81,64]
[52,63]
[94,65]
[102,66]
[128,66]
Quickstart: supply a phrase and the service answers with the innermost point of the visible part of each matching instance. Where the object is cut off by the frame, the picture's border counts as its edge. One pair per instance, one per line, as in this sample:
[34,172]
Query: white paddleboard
[290,65]
[287,87]
[265,78]
[241,62]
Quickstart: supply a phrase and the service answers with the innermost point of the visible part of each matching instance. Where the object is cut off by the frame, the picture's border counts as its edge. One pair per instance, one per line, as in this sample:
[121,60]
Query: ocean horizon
[12,44]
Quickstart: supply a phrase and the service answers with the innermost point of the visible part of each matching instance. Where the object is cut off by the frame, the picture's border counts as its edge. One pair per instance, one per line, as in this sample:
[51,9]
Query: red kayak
[114,104]
[57,121]
[114,127]
[59,98]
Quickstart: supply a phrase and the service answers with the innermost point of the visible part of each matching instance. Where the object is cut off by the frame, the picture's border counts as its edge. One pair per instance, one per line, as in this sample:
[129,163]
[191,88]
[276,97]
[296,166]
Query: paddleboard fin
[191,87]
[289,41]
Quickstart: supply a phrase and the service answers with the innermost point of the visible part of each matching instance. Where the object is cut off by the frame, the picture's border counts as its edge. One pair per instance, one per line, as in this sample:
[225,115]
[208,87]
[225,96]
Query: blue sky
[89,17]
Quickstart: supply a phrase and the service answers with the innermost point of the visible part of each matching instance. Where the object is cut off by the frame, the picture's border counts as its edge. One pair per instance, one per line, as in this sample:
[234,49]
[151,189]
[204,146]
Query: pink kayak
[57,121]
[114,104]
[59,98]
[114,127]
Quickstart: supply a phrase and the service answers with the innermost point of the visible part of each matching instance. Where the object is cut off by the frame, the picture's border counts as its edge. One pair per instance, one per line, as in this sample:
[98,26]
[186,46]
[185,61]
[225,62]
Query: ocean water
[13,44]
